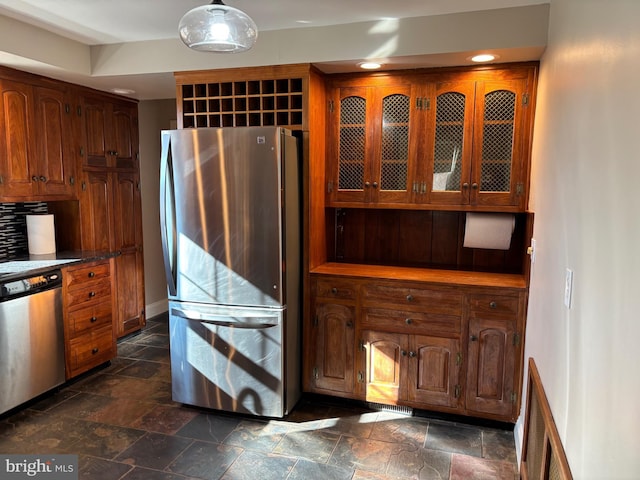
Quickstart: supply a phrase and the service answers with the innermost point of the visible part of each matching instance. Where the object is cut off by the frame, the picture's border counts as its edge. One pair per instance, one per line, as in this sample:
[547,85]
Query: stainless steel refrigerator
[230,223]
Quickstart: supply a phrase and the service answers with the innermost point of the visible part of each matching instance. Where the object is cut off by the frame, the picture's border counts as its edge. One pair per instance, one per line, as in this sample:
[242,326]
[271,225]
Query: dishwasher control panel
[30,284]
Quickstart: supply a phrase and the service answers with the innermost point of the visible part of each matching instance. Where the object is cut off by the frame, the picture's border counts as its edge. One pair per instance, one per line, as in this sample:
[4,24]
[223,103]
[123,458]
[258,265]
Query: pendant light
[218,28]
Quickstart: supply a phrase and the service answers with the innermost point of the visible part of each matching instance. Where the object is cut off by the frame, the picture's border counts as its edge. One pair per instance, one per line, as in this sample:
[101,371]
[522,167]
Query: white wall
[154,116]
[585,177]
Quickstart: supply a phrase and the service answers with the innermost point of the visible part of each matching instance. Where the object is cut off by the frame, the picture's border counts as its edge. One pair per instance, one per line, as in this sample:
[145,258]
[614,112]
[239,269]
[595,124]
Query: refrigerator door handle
[222,323]
[169,252]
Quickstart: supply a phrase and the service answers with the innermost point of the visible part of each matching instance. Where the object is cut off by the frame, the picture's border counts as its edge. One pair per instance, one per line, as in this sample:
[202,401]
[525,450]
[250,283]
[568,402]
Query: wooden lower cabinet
[449,348]
[88,316]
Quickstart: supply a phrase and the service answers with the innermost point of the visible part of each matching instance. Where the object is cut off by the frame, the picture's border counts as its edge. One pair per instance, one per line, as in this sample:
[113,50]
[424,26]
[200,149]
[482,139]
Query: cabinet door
[97,212]
[386,366]
[394,146]
[499,157]
[447,160]
[351,152]
[434,368]
[491,367]
[96,114]
[334,347]
[56,166]
[17,147]
[128,242]
[124,133]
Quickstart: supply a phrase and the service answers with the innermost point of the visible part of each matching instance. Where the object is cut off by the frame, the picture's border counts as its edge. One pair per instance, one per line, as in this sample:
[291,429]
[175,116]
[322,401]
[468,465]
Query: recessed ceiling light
[122,91]
[369,65]
[484,57]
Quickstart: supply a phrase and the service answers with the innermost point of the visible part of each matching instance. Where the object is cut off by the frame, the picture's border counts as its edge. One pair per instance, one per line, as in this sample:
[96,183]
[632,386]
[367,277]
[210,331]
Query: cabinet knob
[334,290]
[474,186]
[408,321]
[34,178]
[412,354]
[374,184]
[43,178]
[493,305]
[349,324]
[92,294]
[465,186]
[93,319]
[367,184]
[94,351]
[473,338]
[92,274]
[409,298]
[403,353]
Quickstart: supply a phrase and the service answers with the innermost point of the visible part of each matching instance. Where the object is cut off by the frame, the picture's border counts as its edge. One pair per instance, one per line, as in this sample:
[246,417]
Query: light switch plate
[568,287]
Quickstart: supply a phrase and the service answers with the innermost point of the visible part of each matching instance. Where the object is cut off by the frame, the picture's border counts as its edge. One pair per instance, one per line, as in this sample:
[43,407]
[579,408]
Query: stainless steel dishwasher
[31,337]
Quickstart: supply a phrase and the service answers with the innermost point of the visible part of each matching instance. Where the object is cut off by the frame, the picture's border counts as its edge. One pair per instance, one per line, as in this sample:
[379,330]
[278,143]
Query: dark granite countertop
[28,265]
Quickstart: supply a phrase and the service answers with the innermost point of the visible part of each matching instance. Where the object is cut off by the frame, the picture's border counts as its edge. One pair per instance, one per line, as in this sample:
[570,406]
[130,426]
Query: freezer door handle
[212,320]
[169,251]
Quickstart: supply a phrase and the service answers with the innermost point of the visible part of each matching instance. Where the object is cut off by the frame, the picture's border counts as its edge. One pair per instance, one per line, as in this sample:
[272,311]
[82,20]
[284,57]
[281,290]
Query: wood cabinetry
[37,144]
[450,342]
[88,316]
[457,138]
[110,202]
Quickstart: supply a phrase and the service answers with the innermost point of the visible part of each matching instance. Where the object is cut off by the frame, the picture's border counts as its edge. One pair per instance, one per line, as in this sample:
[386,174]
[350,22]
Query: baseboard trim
[157,308]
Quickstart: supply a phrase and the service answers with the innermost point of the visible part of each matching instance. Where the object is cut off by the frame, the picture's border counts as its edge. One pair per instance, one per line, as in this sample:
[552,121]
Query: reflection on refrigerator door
[228,358]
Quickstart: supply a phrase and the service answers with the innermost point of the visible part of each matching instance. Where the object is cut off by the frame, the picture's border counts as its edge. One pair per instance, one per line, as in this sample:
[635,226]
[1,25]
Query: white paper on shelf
[489,230]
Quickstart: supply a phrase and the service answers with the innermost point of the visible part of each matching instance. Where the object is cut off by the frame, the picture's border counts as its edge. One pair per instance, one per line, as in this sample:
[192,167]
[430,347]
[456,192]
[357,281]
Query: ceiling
[104,28]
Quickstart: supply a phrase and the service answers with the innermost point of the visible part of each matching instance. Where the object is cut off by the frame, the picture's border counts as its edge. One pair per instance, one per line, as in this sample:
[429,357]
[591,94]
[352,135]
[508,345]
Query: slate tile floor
[122,424]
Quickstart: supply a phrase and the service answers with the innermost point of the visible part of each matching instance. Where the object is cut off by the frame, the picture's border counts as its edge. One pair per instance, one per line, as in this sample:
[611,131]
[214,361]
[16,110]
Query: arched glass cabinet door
[394,162]
[351,154]
[448,176]
[498,165]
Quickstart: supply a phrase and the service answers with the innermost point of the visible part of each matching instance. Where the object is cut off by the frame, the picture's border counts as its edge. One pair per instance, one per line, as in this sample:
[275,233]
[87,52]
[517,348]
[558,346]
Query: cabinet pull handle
[493,305]
[409,298]
[408,321]
[473,338]
[93,319]
[94,350]
[92,274]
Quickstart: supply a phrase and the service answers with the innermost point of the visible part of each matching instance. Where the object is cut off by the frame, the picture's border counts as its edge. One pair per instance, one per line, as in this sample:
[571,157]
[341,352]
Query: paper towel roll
[41,234]
[489,230]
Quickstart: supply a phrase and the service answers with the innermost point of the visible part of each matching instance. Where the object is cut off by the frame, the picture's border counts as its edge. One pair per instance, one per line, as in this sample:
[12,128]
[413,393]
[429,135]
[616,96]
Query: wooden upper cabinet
[36,160]
[110,132]
[444,140]
[372,149]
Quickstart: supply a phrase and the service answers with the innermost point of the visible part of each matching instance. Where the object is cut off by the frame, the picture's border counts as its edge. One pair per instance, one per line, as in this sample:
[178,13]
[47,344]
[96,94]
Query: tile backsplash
[13,227]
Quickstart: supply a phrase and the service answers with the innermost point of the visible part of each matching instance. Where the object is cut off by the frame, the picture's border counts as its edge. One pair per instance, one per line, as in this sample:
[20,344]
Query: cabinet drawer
[78,277]
[493,304]
[336,288]
[95,292]
[429,300]
[90,317]
[92,349]
[411,322]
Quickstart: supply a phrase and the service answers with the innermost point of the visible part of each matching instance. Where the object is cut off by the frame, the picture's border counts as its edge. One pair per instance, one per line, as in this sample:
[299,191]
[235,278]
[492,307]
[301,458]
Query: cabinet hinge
[456,391]
[315,373]
[427,104]
[516,339]
[138,186]
[84,186]
[72,181]
[82,151]
[514,397]
[525,99]
[329,187]
[361,346]
[315,321]
[419,103]
[360,377]
[331,106]
[458,359]
[67,108]
[79,111]
[519,188]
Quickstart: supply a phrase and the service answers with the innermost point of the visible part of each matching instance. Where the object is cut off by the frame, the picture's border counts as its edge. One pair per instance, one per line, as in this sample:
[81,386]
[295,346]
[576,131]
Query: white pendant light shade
[218,28]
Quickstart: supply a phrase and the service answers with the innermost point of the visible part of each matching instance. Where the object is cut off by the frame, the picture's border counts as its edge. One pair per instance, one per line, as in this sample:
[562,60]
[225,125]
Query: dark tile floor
[122,424]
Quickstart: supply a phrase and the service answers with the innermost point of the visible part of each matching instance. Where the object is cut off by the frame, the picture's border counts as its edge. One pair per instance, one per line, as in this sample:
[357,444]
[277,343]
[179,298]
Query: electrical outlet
[568,287]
